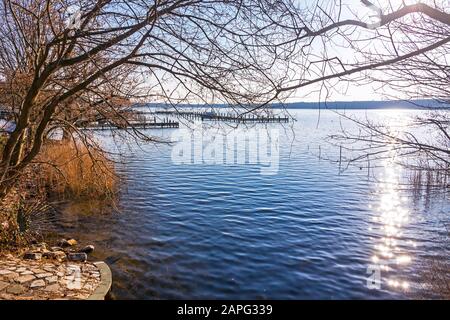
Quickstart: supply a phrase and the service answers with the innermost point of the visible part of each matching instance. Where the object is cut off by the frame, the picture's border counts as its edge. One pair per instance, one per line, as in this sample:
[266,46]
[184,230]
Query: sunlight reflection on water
[392,215]
[307,232]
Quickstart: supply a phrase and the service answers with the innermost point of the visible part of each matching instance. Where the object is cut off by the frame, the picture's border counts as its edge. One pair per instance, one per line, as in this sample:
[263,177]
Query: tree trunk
[18,150]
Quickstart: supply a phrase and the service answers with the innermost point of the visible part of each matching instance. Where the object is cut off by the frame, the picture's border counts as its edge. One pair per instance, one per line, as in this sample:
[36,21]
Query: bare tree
[239,52]
[97,57]
[402,50]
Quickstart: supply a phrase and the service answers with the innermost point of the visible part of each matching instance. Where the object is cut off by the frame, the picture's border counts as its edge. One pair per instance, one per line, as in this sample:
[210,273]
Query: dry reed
[73,170]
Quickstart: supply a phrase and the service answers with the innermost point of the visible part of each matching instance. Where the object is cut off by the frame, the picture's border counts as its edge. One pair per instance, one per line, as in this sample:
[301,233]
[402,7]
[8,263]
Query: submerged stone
[79,257]
[57,255]
[67,243]
[32,256]
[88,249]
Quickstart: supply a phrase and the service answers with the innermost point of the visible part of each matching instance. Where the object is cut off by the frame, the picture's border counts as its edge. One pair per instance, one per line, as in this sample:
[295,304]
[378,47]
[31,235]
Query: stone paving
[46,279]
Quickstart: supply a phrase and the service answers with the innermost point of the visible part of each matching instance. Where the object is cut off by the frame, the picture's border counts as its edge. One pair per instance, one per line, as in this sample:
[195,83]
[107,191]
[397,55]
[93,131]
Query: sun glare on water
[390,220]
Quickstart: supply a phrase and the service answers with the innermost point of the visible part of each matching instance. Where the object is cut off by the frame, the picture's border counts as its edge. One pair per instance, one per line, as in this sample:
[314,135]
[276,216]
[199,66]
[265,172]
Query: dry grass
[64,170]
[76,171]
[72,170]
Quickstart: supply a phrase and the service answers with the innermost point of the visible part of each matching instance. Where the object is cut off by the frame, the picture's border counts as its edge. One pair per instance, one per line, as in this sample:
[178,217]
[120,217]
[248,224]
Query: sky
[349,91]
[339,90]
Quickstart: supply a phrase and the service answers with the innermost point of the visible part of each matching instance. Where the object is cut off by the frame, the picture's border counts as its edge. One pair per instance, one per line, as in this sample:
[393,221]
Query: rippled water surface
[227,231]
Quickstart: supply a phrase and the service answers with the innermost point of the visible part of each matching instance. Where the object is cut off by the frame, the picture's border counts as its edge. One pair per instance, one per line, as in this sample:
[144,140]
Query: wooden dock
[136,125]
[218,116]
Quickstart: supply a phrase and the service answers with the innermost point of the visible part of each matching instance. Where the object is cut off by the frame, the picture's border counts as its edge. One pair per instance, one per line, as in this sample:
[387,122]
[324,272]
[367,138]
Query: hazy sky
[340,90]
[351,9]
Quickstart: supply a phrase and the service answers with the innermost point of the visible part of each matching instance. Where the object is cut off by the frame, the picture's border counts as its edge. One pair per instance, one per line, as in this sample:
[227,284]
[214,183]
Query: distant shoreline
[337,105]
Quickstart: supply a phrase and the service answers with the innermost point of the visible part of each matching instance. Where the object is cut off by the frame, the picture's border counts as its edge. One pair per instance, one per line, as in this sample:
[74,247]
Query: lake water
[290,225]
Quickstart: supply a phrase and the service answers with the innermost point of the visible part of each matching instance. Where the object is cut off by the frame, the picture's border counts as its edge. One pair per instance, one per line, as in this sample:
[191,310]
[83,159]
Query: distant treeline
[392,104]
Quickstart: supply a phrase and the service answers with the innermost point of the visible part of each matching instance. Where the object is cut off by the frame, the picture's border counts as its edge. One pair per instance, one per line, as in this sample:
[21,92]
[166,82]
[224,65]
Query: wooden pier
[218,116]
[136,125]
